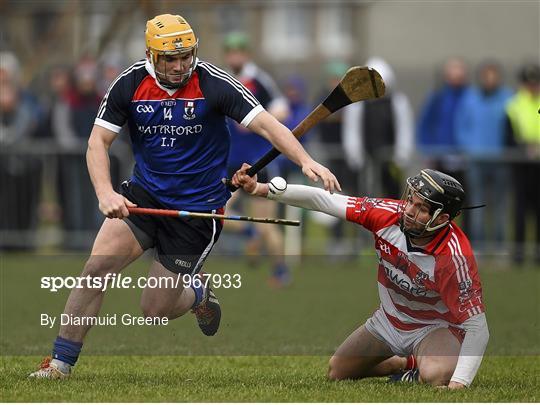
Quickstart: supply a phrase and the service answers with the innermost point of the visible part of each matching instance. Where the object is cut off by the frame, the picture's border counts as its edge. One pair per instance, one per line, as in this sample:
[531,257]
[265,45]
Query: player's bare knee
[98,266]
[332,369]
[435,373]
[333,374]
[336,370]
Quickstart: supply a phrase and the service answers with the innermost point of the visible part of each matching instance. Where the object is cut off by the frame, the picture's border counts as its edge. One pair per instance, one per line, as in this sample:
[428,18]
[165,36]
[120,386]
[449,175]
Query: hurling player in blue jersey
[175,107]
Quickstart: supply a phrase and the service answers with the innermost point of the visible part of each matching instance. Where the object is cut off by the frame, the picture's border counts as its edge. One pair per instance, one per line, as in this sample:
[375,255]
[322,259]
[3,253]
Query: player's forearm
[97,160]
[472,349]
[311,198]
[282,139]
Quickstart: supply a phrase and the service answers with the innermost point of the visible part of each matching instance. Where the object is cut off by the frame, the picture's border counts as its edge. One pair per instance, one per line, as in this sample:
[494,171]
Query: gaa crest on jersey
[189,110]
[465,290]
[420,278]
[465,285]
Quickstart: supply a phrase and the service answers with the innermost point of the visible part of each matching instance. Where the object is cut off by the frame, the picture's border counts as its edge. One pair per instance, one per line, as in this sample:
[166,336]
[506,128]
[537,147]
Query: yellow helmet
[168,34]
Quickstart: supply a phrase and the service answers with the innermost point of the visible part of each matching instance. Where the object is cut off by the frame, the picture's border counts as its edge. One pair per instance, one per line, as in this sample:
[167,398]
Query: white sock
[61,365]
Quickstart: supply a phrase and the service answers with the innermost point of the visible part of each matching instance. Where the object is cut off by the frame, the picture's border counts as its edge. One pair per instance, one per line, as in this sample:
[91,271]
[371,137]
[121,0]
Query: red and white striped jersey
[435,284]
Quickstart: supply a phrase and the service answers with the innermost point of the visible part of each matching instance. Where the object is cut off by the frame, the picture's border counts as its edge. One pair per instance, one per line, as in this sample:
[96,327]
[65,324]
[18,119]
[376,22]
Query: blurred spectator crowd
[472,126]
[50,128]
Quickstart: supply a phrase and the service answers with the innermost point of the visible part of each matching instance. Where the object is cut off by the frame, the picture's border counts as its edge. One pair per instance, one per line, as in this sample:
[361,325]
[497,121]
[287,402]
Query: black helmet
[439,189]
[443,193]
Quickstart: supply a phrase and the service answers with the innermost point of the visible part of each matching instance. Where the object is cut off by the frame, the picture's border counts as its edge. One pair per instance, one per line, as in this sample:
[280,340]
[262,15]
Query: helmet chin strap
[161,77]
[427,228]
[169,85]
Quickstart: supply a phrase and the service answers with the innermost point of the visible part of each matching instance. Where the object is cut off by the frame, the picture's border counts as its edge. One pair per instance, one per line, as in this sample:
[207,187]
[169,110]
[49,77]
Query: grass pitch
[272,346]
[251,378]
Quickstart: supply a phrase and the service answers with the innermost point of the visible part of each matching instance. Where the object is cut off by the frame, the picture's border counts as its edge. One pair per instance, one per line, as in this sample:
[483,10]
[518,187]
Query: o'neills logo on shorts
[182,263]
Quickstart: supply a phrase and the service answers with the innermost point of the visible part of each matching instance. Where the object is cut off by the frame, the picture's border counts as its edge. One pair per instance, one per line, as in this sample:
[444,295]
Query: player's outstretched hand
[455,385]
[315,170]
[242,180]
[114,205]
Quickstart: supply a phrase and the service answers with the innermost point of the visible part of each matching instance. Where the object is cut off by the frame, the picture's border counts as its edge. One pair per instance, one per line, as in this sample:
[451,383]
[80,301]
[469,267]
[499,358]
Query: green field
[251,378]
[272,346]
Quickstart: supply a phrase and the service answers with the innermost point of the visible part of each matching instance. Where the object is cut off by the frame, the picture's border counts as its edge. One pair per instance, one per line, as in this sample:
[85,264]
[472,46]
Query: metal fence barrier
[47,200]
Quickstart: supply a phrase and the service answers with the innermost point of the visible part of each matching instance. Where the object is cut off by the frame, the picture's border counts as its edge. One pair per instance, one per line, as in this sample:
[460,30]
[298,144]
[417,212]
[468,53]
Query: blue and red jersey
[179,137]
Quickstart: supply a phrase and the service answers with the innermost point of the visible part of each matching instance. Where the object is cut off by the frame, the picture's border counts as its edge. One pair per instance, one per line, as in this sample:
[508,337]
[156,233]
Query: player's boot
[208,312]
[405,376]
[50,370]
[408,374]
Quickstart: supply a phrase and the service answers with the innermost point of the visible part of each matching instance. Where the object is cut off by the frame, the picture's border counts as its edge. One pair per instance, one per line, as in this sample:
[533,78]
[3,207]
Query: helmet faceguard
[439,192]
[170,35]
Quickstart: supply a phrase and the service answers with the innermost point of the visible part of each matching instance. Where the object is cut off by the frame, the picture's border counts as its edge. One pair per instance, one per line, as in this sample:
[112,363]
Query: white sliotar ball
[277,185]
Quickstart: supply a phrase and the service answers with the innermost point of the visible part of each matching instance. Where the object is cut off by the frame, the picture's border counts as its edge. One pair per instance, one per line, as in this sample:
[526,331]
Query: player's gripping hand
[314,171]
[114,205]
[242,180]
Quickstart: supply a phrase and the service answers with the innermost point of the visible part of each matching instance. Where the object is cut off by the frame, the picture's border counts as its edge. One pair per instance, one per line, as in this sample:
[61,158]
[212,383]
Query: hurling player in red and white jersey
[431,325]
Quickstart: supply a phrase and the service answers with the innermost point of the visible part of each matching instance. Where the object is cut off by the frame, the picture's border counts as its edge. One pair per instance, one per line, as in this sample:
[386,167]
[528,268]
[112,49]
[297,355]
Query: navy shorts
[181,245]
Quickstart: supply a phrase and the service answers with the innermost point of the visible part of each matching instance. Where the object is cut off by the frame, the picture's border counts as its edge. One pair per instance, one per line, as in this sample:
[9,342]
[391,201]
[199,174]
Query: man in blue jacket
[480,134]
